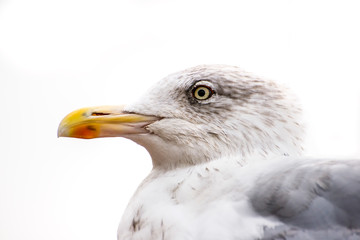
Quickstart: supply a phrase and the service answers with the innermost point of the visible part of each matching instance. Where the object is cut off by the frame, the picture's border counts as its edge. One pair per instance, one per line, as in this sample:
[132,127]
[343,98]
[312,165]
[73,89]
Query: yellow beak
[104,121]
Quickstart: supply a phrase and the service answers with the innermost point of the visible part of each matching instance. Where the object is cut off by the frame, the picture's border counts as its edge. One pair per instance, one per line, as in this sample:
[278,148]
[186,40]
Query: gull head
[198,115]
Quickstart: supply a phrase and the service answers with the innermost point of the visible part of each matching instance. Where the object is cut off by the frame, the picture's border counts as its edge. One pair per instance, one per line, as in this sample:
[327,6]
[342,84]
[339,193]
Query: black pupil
[201,92]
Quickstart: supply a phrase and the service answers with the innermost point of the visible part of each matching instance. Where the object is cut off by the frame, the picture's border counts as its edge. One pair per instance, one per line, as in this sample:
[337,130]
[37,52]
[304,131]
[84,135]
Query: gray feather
[293,233]
[319,200]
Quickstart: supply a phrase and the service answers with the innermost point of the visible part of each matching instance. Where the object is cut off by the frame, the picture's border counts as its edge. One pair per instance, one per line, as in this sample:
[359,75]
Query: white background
[57,56]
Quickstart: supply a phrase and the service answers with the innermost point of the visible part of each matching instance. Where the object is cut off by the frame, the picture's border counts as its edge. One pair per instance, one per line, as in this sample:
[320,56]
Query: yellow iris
[202,92]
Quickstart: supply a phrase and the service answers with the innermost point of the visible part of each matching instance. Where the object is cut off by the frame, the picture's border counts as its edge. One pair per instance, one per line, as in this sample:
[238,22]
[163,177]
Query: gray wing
[317,200]
[287,232]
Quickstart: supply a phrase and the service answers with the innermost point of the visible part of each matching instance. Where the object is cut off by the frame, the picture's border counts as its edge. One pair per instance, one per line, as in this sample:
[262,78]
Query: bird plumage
[226,149]
[246,116]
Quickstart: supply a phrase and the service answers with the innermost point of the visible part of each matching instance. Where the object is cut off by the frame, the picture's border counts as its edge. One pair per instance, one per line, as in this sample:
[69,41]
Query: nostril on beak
[99,114]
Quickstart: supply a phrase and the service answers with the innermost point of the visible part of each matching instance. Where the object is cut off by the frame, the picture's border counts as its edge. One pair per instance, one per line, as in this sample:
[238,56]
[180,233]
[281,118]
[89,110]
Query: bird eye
[202,92]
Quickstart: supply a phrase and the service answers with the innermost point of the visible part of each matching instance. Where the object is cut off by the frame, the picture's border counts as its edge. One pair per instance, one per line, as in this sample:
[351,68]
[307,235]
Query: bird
[226,149]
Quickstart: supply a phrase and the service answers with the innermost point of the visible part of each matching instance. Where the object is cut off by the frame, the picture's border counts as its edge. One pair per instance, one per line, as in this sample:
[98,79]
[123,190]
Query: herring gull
[225,147]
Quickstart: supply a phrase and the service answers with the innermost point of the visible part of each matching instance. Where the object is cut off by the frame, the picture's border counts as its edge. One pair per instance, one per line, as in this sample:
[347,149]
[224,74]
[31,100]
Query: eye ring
[202,92]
